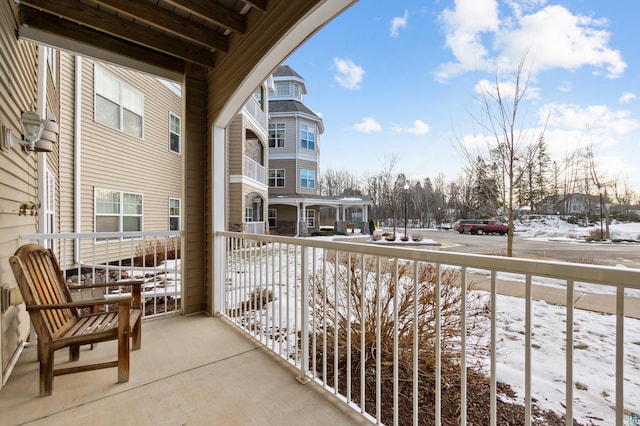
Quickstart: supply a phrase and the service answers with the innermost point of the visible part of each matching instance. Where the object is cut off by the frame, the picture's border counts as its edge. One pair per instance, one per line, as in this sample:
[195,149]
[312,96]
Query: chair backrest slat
[41,282]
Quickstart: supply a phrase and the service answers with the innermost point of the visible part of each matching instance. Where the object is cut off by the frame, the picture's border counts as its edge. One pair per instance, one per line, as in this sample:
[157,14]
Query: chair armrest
[135,285]
[132,283]
[82,304]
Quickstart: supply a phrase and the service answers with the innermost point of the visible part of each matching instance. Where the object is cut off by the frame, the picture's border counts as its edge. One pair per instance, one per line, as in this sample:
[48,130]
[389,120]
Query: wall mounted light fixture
[32,127]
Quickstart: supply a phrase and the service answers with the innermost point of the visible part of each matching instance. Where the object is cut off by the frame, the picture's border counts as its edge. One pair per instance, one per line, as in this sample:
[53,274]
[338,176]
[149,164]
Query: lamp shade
[32,126]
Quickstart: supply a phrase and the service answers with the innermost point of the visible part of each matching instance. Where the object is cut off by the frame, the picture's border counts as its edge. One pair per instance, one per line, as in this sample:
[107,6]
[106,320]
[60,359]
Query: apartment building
[294,163]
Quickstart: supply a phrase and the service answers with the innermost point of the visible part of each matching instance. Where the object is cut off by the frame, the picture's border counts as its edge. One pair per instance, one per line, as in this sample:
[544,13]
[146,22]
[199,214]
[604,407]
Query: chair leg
[123,343]
[136,334]
[46,370]
[74,352]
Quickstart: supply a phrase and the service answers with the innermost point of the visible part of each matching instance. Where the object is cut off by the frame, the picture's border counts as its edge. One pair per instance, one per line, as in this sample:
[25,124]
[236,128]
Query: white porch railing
[366,321]
[153,256]
[254,170]
[255,227]
[253,108]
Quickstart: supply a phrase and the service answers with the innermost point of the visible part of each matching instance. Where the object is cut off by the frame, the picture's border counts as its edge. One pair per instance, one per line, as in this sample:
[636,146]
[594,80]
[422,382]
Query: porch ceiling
[168,33]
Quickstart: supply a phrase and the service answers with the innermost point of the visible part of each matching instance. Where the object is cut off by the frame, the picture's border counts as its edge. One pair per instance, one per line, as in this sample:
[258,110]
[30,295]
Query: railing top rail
[598,274]
[81,235]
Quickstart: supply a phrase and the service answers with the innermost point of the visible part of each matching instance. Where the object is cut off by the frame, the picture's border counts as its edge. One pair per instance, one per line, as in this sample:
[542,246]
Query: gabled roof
[290,106]
[285,107]
[286,71]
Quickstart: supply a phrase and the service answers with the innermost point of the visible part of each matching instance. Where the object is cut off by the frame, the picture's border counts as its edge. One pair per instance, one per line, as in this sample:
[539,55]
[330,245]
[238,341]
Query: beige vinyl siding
[111,159]
[66,142]
[235,138]
[235,206]
[196,279]
[289,178]
[18,91]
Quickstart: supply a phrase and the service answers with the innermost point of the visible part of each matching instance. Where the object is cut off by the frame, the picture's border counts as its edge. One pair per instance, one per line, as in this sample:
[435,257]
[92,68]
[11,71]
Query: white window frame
[272,215]
[127,99]
[172,213]
[296,90]
[177,132]
[49,206]
[120,214]
[276,178]
[311,218]
[283,89]
[277,135]
[308,141]
[248,214]
[307,177]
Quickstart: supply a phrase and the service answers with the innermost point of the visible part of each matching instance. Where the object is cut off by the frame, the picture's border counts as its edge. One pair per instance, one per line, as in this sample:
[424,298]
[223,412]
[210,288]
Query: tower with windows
[294,136]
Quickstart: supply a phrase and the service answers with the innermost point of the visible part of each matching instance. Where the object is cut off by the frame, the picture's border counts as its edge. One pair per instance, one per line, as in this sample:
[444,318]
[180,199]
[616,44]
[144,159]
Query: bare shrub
[154,252]
[404,238]
[375,237]
[416,237]
[362,306]
[390,237]
[597,235]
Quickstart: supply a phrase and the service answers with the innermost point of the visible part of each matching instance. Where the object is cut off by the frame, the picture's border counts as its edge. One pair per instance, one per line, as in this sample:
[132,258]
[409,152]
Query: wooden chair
[59,323]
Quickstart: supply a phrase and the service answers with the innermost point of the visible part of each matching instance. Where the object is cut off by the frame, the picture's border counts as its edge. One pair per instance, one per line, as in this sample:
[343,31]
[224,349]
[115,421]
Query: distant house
[570,204]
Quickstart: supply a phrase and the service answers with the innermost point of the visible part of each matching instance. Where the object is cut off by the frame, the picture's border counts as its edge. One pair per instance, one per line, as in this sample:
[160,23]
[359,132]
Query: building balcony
[364,326]
[191,370]
[253,109]
[254,171]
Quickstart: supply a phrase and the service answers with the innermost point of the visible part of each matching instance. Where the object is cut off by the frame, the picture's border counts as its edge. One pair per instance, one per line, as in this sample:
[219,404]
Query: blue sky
[401,78]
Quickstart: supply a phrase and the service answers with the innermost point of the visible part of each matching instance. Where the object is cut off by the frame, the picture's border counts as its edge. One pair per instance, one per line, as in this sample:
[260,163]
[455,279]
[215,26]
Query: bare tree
[511,144]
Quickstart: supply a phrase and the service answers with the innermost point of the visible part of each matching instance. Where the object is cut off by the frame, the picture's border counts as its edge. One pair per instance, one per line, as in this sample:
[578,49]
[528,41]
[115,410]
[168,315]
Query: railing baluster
[348,320]
[438,344]
[569,356]
[415,348]
[463,348]
[527,352]
[396,284]
[619,354]
[492,369]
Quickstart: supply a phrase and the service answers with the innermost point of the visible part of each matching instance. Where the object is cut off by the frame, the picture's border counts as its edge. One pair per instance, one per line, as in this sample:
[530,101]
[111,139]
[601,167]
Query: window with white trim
[248,214]
[276,178]
[117,211]
[273,218]
[296,90]
[175,133]
[307,137]
[307,179]
[276,135]
[283,89]
[311,218]
[116,104]
[175,214]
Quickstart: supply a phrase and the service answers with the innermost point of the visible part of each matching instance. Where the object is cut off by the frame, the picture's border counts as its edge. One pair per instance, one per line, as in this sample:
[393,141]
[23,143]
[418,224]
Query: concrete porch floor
[194,370]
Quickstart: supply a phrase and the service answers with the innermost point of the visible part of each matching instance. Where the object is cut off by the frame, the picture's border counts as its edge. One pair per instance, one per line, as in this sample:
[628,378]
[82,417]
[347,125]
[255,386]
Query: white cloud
[552,37]
[626,97]
[419,128]
[349,75]
[595,120]
[367,125]
[399,22]
[507,89]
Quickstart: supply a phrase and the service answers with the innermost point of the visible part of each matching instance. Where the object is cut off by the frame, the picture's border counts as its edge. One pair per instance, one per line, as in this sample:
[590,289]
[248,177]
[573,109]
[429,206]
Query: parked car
[486,227]
[462,222]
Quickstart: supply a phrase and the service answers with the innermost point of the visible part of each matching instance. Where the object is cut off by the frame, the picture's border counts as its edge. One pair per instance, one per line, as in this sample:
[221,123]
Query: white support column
[217,214]
[344,213]
[337,212]
[297,219]
[365,213]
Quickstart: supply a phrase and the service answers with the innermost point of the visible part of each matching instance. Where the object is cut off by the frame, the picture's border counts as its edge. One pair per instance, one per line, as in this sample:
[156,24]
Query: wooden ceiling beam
[87,36]
[101,21]
[169,22]
[261,5]
[214,12]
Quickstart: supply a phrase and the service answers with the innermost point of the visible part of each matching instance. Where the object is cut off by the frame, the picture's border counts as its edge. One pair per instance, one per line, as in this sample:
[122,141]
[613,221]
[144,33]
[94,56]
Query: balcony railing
[253,109]
[255,227]
[254,170]
[118,256]
[370,323]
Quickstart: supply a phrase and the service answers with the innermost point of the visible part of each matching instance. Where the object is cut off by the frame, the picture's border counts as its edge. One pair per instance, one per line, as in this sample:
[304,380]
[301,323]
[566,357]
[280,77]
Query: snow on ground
[594,340]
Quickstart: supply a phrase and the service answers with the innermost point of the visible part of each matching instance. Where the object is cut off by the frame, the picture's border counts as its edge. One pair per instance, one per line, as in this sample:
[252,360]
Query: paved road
[626,254]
